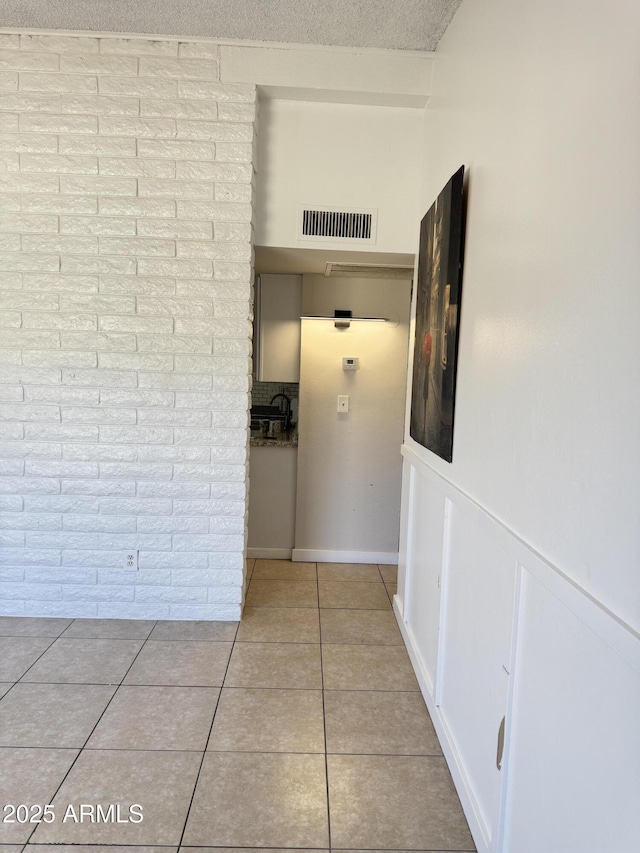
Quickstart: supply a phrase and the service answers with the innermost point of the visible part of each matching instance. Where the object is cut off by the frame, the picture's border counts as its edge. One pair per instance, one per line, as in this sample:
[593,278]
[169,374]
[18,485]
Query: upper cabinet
[277,328]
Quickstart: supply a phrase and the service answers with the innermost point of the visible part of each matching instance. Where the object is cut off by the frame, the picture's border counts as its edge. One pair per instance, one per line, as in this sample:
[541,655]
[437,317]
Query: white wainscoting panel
[423,582]
[476,644]
[575,735]
[493,629]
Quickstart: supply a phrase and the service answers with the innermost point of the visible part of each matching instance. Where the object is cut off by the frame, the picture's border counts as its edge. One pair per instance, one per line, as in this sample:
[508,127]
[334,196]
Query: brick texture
[126,199]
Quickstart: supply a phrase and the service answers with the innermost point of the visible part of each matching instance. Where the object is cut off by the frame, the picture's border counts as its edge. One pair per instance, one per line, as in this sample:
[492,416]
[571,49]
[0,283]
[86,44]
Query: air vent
[337,224]
[393,271]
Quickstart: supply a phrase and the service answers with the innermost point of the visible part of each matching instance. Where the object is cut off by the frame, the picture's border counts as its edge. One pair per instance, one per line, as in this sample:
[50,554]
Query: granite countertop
[285,439]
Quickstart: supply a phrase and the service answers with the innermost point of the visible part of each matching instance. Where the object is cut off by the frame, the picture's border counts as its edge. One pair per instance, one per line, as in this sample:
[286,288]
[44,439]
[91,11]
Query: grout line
[81,750]
[324,718]
[317,580]
[225,752]
[311,643]
[182,640]
[54,640]
[204,752]
[384,609]
[30,636]
[278,849]
[321,643]
[217,687]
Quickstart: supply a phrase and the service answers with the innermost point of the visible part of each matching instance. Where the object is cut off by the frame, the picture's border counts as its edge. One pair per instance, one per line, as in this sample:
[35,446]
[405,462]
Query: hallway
[301,727]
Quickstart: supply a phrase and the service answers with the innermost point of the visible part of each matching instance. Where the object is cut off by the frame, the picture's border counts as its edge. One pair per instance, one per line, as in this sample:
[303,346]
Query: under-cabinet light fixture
[342,319]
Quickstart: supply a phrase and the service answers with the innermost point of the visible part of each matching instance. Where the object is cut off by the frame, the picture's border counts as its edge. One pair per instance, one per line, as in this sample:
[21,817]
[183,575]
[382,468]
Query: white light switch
[343,402]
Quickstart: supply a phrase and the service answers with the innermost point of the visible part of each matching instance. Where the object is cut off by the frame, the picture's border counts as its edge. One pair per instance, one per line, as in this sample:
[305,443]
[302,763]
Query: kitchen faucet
[287,410]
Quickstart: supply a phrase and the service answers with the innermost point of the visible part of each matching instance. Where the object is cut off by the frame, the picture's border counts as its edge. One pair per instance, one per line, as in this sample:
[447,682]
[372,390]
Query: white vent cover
[337,224]
[393,271]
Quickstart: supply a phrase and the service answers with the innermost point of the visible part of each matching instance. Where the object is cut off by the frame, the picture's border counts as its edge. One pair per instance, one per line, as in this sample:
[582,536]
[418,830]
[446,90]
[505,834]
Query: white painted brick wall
[126,192]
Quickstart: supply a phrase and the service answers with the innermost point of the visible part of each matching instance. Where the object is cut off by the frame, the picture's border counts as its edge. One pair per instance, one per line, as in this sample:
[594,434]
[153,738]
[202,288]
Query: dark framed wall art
[438,294]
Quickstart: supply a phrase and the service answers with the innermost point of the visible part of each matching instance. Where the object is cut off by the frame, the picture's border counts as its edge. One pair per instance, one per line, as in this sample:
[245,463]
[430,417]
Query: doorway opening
[325,484]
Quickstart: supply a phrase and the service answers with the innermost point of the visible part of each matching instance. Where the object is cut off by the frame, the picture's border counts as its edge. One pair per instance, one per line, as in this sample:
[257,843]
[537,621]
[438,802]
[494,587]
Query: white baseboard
[456,767]
[309,555]
[269,553]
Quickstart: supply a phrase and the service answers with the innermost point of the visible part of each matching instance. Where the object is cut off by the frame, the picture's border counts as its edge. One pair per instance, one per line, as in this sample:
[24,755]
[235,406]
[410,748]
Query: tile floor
[301,727]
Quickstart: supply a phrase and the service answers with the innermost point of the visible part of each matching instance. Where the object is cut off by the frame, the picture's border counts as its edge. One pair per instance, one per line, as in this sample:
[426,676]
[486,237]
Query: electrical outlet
[130,559]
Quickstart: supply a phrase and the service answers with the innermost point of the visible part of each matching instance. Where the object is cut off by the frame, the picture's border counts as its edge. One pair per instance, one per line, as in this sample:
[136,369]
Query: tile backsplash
[262,392]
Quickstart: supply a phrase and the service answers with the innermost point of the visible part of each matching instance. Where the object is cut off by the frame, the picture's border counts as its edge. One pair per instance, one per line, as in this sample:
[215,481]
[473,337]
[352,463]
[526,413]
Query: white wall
[349,465]
[125,298]
[272,502]
[338,155]
[525,549]
[126,184]
[127,240]
[540,103]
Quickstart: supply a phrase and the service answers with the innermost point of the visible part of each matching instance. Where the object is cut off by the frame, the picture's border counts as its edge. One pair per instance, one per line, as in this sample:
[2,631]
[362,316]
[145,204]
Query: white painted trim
[269,553]
[503,805]
[617,633]
[406,531]
[405,556]
[307,555]
[456,767]
[444,595]
[335,96]
[391,74]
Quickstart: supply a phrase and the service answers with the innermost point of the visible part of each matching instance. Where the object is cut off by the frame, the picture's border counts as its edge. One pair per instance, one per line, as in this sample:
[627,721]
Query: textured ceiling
[403,24]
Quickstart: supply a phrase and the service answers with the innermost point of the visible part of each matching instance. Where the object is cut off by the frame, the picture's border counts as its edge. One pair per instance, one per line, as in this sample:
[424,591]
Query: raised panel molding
[439,522]
[476,645]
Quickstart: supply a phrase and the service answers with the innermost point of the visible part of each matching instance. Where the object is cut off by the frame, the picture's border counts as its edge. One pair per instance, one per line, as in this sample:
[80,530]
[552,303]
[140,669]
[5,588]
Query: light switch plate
[343,402]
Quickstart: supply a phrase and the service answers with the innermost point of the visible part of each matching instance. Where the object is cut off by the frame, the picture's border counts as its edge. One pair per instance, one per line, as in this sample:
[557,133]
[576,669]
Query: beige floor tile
[51,715]
[205,631]
[268,721]
[374,627]
[389,573]
[85,662]
[348,572]
[367,668]
[250,565]
[392,589]
[110,629]
[181,663]
[248,850]
[282,593]
[377,723]
[4,687]
[95,848]
[395,802]
[284,665]
[17,654]
[337,850]
[259,800]
[361,596]
[161,782]
[284,570]
[157,718]
[30,776]
[32,626]
[279,625]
